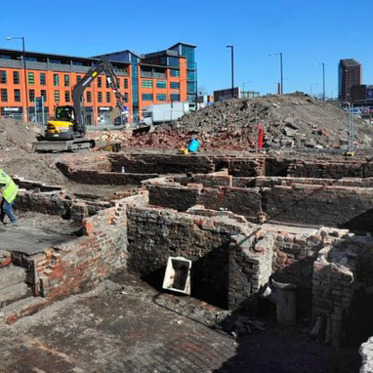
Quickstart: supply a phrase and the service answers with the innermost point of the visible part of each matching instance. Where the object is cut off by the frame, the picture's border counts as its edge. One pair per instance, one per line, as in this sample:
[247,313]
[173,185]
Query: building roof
[350,62]
[46,55]
[120,52]
[187,44]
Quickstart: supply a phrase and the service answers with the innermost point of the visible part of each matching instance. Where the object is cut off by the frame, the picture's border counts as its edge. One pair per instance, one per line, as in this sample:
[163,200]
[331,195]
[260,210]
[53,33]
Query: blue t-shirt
[193,146]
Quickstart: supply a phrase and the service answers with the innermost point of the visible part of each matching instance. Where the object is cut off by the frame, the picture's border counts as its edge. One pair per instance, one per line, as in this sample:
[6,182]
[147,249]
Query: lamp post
[281,71]
[311,86]
[243,87]
[351,129]
[24,70]
[323,79]
[232,65]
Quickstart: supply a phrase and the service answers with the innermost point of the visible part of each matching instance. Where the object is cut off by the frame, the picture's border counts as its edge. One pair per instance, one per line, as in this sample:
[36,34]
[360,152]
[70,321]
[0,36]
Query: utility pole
[232,66]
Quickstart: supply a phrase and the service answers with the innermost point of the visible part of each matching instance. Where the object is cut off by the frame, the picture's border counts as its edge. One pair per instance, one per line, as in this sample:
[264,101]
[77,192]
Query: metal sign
[39,109]
[39,104]
[10,110]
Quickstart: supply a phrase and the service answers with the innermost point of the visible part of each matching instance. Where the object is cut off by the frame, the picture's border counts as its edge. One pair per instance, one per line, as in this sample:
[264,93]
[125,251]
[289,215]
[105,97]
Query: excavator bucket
[143,129]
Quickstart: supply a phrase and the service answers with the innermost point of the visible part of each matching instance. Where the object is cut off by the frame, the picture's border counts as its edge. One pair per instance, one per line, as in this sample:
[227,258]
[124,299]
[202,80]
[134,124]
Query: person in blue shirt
[193,145]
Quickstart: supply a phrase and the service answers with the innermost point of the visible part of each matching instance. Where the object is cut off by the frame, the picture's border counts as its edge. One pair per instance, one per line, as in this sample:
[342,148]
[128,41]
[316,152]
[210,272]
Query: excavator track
[63,146]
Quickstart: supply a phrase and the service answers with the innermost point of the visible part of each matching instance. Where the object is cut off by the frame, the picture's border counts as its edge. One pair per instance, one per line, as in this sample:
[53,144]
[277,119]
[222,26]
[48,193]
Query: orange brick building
[144,79]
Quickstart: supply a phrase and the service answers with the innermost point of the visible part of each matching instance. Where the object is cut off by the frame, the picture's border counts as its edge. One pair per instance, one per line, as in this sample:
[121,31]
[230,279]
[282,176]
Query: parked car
[355,111]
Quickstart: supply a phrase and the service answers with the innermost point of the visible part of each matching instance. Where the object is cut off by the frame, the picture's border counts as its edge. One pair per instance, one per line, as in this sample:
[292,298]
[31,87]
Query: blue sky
[305,32]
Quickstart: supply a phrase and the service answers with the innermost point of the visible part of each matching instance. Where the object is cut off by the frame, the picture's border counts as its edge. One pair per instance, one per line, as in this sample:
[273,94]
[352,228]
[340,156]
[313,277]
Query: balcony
[149,74]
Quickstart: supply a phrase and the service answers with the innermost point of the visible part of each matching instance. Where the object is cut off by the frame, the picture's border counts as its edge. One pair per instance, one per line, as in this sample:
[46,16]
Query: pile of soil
[294,121]
[17,156]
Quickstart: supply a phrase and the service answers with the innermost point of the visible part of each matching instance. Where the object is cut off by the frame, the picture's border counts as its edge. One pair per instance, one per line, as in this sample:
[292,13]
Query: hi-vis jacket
[9,189]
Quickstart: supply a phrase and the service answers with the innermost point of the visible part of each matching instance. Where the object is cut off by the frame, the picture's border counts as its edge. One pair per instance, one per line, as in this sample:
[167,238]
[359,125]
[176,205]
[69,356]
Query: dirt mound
[294,121]
[17,156]
[16,135]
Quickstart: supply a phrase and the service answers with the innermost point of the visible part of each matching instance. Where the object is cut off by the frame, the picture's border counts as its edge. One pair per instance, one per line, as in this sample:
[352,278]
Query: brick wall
[81,264]
[154,234]
[341,278]
[345,207]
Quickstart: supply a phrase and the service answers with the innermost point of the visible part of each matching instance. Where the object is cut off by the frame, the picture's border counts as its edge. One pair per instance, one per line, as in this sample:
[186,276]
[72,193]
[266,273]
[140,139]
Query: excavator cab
[65,113]
[63,127]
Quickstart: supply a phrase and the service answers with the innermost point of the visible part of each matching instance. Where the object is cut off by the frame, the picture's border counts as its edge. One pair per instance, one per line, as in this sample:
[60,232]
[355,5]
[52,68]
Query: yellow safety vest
[9,189]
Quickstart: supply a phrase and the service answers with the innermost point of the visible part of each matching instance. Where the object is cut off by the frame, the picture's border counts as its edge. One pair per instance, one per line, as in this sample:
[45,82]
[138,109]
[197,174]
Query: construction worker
[193,145]
[9,191]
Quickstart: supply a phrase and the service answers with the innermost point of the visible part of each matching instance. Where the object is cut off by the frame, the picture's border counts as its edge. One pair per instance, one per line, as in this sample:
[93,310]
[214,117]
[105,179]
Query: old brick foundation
[241,220]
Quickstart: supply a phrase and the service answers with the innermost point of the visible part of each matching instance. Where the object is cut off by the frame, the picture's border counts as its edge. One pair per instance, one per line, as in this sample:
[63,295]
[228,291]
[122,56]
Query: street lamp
[323,78]
[281,71]
[351,129]
[243,86]
[232,65]
[9,38]
[312,84]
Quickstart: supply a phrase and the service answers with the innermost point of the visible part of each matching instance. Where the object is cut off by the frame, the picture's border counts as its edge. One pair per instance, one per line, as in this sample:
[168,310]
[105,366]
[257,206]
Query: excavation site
[237,258]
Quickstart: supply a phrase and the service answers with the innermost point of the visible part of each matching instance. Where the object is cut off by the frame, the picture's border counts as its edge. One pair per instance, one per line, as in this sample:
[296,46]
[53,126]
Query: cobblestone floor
[120,328]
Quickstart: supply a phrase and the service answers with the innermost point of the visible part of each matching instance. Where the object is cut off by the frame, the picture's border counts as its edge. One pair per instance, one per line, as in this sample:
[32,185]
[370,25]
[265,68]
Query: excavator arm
[78,90]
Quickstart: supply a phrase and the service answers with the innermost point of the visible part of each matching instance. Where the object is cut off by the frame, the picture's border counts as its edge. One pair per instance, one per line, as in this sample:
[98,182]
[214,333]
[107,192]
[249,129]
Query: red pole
[260,137]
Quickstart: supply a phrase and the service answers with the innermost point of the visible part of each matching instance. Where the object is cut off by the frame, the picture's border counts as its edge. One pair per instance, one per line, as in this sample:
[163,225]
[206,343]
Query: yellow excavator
[67,131]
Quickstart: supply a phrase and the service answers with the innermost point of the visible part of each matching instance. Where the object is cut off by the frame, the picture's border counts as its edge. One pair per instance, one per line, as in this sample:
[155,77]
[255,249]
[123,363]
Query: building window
[57,96]
[108,97]
[147,97]
[174,97]
[146,84]
[31,95]
[78,79]
[66,80]
[2,76]
[4,95]
[107,83]
[161,97]
[191,87]
[56,80]
[99,82]
[31,79]
[191,75]
[17,95]
[43,79]
[175,73]
[174,85]
[15,77]
[99,96]
[43,93]
[161,85]
[89,96]
[173,61]
[126,97]
[125,83]
[67,96]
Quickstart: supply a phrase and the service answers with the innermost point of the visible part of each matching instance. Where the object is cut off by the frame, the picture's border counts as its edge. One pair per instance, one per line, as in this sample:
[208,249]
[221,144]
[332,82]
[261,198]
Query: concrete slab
[34,234]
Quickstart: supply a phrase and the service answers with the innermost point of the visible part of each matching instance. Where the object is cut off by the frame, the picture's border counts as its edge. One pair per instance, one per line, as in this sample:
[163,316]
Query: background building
[145,79]
[349,74]
[224,94]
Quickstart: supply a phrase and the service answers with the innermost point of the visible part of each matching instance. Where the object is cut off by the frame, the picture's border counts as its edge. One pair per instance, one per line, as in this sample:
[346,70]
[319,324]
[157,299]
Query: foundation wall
[338,206]
[81,264]
[241,201]
[342,299]
[343,207]
[225,270]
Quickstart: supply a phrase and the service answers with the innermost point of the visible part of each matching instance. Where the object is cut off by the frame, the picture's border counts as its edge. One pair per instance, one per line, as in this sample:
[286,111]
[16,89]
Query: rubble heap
[295,121]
